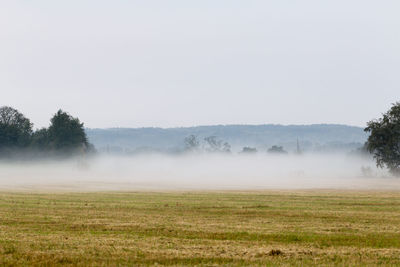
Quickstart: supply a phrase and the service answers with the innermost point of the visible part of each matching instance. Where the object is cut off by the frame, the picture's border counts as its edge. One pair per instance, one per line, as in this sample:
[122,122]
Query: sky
[158,63]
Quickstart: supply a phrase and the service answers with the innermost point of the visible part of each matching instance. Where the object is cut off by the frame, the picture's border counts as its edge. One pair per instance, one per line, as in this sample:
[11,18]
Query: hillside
[311,137]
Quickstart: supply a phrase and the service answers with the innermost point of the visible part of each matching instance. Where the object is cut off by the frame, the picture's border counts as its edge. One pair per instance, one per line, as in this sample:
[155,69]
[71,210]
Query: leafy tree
[191,143]
[66,134]
[384,139]
[248,150]
[41,139]
[215,145]
[277,150]
[226,147]
[15,129]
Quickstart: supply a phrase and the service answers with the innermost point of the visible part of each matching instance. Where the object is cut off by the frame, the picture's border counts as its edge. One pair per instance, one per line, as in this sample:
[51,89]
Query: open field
[201,228]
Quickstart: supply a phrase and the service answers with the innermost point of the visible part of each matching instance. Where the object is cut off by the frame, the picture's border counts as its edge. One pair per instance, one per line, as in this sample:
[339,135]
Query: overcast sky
[181,63]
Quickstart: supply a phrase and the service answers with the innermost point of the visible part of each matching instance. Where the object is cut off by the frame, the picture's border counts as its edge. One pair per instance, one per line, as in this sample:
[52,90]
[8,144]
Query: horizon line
[223,125]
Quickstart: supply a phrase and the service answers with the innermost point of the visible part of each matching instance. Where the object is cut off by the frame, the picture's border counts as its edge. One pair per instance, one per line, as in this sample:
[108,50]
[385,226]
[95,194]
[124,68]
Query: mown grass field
[200,228]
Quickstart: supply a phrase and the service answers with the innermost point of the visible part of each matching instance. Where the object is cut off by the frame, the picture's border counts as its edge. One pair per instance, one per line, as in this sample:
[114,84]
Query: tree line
[65,135]
[383,142]
[212,144]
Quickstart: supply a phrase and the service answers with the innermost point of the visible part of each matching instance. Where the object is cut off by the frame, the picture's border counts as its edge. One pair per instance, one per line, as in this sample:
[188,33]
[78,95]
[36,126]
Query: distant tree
[212,143]
[384,139]
[191,143]
[15,129]
[66,134]
[226,147]
[215,145]
[277,150]
[248,150]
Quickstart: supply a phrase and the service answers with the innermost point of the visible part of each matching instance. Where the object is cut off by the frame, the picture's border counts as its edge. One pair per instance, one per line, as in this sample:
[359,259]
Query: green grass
[201,228]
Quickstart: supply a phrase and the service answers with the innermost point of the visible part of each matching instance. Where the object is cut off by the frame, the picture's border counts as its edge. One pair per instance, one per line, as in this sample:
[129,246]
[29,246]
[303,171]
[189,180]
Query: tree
[41,139]
[66,134]
[15,129]
[248,150]
[226,147]
[191,143]
[384,140]
[215,145]
[277,150]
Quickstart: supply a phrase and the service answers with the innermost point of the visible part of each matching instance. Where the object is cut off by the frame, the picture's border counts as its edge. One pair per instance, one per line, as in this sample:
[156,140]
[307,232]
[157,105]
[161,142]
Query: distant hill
[317,137]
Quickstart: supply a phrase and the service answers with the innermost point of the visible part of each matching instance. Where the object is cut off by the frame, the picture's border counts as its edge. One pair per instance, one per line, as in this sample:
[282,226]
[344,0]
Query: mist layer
[197,172]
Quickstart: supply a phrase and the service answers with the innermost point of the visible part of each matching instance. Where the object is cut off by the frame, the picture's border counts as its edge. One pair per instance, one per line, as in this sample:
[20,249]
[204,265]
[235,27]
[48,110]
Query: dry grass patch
[201,228]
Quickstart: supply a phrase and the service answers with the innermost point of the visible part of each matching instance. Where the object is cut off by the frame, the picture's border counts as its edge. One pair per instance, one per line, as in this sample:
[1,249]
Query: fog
[196,172]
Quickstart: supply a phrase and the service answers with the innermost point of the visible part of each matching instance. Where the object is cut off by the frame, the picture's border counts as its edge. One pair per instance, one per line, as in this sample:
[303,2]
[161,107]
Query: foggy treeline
[311,138]
[199,161]
[64,136]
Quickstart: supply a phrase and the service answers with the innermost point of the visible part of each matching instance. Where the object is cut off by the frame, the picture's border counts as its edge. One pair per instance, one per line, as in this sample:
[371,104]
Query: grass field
[201,228]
